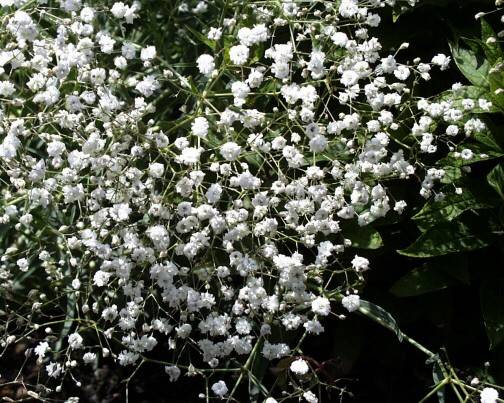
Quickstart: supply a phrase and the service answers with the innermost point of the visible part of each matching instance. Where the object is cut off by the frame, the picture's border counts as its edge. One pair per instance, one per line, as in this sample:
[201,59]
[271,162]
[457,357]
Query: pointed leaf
[380,315]
[474,67]
[496,179]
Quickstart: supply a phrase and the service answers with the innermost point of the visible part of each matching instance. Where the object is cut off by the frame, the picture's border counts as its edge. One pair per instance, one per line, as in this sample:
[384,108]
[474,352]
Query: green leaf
[420,281]
[474,67]
[362,237]
[200,37]
[451,174]
[488,139]
[481,152]
[468,92]
[492,49]
[496,81]
[381,316]
[496,179]
[448,238]
[449,208]
[434,275]
[492,301]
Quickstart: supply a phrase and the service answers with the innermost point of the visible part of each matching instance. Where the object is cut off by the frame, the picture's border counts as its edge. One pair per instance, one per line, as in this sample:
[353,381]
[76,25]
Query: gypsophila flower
[310,396]
[200,127]
[220,389]
[360,263]
[173,372]
[206,64]
[351,302]
[321,306]
[299,367]
[239,54]
[489,395]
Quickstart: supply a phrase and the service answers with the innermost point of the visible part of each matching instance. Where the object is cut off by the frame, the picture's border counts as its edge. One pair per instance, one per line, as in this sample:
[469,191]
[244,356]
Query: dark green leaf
[472,65]
[436,274]
[421,281]
[496,179]
[492,49]
[450,207]
[362,237]
[448,238]
[380,315]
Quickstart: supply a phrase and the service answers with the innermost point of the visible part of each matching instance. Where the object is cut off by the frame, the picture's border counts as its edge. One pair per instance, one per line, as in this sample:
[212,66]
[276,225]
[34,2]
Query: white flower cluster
[215,234]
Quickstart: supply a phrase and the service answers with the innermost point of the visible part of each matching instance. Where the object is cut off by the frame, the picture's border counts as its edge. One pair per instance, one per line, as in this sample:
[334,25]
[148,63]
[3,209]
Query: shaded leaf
[474,67]
[421,281]
[448,238]
[362,237]
[449,208]
[380,315]
[492,49]
[434,275]
[496,179]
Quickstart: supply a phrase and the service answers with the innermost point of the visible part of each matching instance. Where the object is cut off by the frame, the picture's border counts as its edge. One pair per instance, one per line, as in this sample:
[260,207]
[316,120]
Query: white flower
[148,53]
[118,10]
[6,88]
[75,341]
[199,127]
[230,151]
[23,264]
[220,389]
[299,367]
[339,39]
[101,278]
[321,306]
[310,396]
[206,64]
[351,302]
[441,60]
[239,54]
[89,358]
[190,155]
[173,372]
[214,34]
[156,170]
[402,72]
[41,349]
[360,263]
[349,78]
[489,395]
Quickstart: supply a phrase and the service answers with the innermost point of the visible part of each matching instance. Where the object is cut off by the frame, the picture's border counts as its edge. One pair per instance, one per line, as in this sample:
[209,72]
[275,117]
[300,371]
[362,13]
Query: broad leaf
[491,48]
[362,237]
[448,238]
[468,92]
[450,207]
[434,275]
[472,65]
